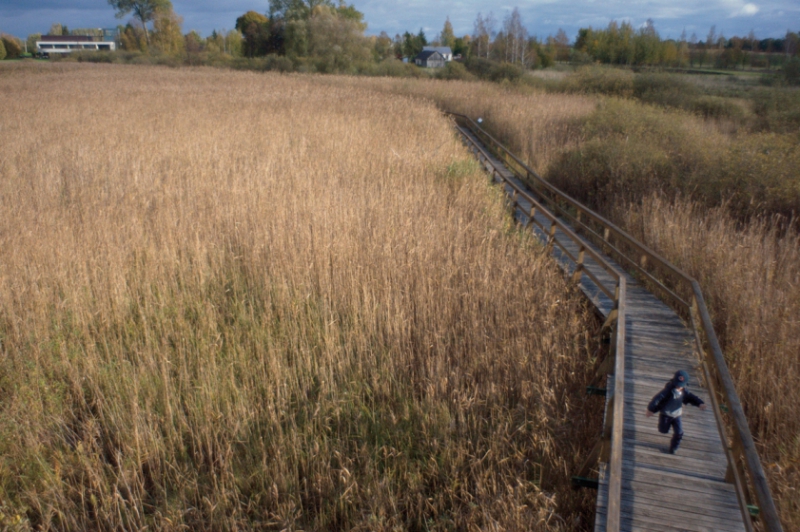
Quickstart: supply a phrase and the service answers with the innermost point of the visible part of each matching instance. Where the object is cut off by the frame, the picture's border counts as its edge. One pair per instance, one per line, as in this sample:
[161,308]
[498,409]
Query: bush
[12,45]
[716,107]
[506,71]
[487,69]
[454,70]
[93,57]
[791,72]
[479,66]
[632,151]
[777,110]
[278,63]
[2,51]
[395,68]
[601,80]
[664,89]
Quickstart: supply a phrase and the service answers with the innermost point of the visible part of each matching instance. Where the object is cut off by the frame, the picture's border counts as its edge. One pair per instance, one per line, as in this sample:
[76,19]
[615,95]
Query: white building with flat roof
[65,44]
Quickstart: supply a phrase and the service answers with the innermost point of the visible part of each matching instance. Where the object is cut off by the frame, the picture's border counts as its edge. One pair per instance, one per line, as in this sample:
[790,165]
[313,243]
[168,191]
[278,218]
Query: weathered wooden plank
[681,518]
[641,503]
[707,502]
[690,460]
[680,481]
[655,521]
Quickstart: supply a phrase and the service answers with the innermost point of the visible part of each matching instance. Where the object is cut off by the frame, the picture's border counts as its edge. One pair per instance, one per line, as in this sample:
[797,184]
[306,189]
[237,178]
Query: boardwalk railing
[683,293]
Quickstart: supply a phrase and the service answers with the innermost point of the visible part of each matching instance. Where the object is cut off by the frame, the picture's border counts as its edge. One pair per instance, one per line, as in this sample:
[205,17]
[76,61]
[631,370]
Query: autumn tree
[12,45]
[447,37]
[413,44]
[383,47]
[483,30]
[561,42]
[167,33]
[255,29]
[143,10]
[335,41]
[32,39]
[514,38]
[2,51]
[133,39]
[295,9]
[56,29]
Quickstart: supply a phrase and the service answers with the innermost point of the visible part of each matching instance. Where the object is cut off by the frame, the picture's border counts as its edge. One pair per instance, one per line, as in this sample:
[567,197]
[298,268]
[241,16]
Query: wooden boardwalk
[660,492]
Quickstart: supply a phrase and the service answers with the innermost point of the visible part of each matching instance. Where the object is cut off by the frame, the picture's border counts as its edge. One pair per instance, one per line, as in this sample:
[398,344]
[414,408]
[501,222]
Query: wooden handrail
[741,432]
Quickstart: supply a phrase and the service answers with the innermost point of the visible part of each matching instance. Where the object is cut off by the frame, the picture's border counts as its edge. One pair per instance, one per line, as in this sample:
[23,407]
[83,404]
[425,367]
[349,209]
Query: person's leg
[677,434]
[664,423]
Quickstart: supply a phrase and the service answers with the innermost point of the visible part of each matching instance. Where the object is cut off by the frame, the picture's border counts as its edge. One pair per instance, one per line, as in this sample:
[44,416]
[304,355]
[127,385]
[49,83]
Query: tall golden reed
[247,301]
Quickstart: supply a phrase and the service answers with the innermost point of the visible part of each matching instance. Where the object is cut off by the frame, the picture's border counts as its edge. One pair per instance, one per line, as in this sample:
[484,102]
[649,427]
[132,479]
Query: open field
[715,200]
[247,301]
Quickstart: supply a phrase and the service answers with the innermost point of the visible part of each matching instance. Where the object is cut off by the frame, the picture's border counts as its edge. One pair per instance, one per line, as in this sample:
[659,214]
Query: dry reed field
[246,301]
[749,272]
[536,125]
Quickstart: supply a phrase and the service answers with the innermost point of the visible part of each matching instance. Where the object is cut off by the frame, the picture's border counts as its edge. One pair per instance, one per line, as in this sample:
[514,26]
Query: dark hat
[681,379]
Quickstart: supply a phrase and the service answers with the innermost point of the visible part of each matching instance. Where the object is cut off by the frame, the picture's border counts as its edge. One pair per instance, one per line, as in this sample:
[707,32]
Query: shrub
[278,63]
[2,51]
[12,45]
[601,80]
[454,70]
[777,110]
[716,107]
[664,89]
[392,67]
[506,71]
[479,66]
[791,72]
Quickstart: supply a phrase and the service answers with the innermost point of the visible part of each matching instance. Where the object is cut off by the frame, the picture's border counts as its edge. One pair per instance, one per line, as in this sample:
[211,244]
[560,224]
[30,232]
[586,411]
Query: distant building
[446,52]
[105,40]
[430,59]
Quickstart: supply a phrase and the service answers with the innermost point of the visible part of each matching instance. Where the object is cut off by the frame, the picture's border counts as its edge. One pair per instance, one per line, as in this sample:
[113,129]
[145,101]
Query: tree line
[329,36]
[621,44]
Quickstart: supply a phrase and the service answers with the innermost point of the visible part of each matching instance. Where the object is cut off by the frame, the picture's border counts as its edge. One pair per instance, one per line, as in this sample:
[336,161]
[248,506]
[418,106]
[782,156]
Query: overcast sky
[767,18]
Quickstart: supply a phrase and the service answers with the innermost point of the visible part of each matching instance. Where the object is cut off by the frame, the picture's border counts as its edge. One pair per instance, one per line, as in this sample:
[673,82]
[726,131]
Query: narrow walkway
[660,492]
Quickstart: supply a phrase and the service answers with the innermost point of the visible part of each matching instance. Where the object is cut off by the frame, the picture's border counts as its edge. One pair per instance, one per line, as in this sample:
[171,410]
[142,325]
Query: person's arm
[655,403]
[692,399]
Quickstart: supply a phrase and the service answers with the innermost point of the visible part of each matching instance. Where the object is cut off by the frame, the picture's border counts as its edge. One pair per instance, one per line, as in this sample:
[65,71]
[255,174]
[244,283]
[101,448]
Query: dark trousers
[664,423]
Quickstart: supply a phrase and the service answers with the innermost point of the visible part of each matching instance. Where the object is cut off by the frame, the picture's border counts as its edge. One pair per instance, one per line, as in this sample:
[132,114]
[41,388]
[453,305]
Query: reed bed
[245,301]
[536,125]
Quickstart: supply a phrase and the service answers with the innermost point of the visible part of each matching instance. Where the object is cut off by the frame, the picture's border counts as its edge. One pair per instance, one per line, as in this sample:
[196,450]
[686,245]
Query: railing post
[551,237]
[576,276]
[531,215]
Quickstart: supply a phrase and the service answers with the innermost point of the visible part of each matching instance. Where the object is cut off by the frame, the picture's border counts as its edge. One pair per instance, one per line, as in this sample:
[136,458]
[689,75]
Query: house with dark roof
[430,59]
[446,52]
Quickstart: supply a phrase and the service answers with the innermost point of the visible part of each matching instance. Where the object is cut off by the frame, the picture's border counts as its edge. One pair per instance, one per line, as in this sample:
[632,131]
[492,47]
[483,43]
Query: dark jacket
[668,404]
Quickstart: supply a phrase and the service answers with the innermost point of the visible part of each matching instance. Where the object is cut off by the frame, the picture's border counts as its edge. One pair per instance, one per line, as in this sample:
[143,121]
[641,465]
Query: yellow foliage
[167,36]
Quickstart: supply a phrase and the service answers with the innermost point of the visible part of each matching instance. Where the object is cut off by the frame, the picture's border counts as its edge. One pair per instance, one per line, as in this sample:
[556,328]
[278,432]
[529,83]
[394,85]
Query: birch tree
[143,10]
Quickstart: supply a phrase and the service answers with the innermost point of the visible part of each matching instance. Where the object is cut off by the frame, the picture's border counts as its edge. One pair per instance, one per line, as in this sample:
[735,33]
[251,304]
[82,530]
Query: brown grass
[536,125]
[232,300]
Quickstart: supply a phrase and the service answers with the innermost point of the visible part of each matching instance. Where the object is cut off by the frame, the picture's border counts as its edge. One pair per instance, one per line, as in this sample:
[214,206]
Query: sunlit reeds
[236,300]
